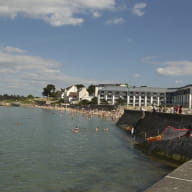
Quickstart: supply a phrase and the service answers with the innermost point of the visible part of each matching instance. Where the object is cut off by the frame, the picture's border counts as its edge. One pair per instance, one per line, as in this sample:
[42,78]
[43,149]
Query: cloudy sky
[65,42]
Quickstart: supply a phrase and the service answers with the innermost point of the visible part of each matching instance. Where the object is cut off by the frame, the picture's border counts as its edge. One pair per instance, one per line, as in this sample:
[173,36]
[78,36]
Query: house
[74,95]
[69,94]
[83,94]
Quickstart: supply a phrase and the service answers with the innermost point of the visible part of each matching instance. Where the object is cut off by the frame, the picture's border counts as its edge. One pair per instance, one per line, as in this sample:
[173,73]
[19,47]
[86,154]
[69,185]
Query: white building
[74,95]
[68,90]
[101,86]
[69,94]
[83,94]
[146,96]
[183,96]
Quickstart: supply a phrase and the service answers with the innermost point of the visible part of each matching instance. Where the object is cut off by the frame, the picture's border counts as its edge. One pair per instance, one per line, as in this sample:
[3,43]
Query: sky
[66,42]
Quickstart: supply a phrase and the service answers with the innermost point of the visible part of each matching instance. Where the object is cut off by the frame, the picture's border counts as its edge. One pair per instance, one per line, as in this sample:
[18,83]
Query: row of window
[132,97]
[130,93]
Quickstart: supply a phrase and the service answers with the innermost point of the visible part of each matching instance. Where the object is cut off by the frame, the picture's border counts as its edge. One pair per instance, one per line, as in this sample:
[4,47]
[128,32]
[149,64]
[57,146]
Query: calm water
[40,153]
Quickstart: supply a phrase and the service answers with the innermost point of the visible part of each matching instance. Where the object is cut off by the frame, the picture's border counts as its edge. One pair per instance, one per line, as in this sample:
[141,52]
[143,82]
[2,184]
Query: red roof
[73,94]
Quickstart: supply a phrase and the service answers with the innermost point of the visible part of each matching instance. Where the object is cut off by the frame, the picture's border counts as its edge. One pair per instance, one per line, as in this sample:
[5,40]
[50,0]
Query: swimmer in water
[75,130]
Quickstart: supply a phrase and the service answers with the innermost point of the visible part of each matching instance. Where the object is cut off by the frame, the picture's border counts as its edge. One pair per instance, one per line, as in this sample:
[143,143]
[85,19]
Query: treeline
[14,97]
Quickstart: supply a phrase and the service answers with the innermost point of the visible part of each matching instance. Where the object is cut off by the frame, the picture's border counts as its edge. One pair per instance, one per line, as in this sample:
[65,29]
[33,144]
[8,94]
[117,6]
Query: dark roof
[135,89]
[111,85]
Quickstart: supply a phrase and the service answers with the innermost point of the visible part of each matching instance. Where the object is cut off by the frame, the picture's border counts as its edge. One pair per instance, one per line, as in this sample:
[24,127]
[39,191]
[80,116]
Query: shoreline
[114,115]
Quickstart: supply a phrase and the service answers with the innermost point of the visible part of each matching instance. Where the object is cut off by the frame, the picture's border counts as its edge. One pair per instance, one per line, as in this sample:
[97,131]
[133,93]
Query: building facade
[83,94]
[183,96]
[146,96]
[101,86]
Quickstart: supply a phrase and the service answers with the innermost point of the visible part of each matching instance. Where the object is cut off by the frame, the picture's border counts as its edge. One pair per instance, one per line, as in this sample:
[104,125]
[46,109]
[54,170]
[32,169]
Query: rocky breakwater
[151,124]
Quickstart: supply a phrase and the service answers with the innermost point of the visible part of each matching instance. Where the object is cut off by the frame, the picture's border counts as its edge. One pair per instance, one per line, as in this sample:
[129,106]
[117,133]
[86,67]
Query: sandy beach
[89,113]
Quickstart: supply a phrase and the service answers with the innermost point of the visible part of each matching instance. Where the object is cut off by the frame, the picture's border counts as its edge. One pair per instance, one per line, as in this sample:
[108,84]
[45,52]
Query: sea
[39,152]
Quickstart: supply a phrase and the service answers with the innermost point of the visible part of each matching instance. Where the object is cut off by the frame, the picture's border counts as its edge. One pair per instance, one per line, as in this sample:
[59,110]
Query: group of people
[175,109]
[178,109]
[76,129]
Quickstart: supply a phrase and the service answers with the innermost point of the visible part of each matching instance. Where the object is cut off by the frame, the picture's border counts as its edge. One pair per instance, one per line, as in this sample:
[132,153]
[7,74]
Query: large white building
[183,96]
[101,86]
[146,96]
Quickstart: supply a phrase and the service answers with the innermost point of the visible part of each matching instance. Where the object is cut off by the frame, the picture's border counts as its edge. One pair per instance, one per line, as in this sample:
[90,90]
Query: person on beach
[176,109]
[180,109]
[132,131]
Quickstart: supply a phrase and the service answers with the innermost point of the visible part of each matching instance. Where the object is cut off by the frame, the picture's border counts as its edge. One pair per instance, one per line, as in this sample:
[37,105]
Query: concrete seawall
[151,124]
[147,124]
[180,180]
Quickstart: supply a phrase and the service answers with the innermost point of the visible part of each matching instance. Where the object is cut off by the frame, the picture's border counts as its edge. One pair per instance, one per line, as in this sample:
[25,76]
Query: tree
[127,85]
[49,90]
[79,86]
[30,97]
[94,101]
[104,102]
[91,89]
[84,102]
[119,101]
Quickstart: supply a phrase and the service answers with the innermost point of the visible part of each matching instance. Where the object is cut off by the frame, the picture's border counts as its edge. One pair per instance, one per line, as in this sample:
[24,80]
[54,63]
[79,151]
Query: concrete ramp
[180,180]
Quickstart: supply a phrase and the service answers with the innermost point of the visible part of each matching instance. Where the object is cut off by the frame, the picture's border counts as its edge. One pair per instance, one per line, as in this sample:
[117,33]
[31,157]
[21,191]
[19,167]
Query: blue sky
[65,42]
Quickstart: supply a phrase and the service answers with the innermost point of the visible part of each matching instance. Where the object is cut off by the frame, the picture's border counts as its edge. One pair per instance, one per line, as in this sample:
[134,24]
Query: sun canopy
[171,133]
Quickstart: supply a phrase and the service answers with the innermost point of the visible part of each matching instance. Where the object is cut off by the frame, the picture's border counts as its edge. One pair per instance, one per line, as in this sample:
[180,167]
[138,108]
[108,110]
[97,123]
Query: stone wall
[151,124]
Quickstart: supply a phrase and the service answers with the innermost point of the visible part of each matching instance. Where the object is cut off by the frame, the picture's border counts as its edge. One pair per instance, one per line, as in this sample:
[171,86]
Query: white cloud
[136,75]
[176,68]
[178,82]
[27,74]
[8,49]
[54,12]
[116,21]
[96,14]
[170,68]
[138,9]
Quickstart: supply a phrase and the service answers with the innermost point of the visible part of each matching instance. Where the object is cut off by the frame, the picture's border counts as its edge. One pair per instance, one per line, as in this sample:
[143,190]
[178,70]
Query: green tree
[49,90]
[84,102]
[119,101]
[79,86]
[94,101]
[30,97]
[104,102]
[91,89]
[127,85]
